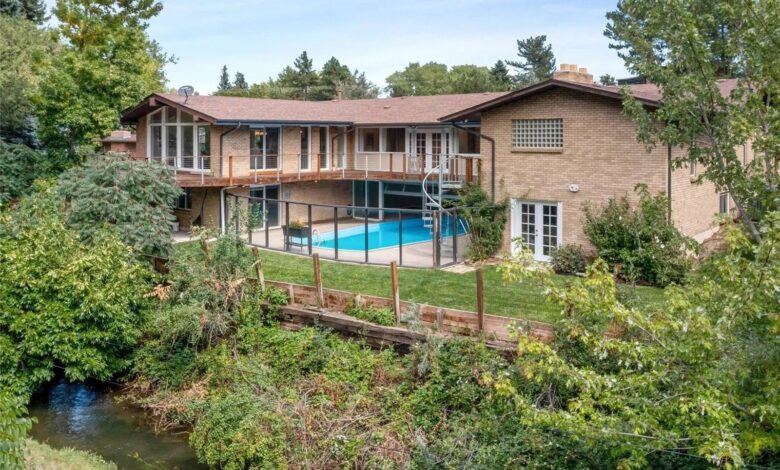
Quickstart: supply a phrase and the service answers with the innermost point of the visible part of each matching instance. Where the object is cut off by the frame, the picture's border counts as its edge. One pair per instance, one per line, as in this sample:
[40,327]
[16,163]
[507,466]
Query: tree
[607,80]
[19,167]
[14,426]
[22,46]
[224,80]
[30,10]
[66,303]
[630,396]
[334,77]
[240,82]
[132,198]
[427,79]
[471,79]
[677,48]
[106,63]
[300,79]
[500,74]
[360,87]
[537,61]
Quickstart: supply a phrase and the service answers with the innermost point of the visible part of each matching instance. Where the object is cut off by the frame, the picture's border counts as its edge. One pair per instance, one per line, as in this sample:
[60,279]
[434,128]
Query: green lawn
[427,286]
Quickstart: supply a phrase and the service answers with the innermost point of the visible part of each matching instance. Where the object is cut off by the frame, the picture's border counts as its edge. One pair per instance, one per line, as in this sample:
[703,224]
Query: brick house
[565,142]
[549,148]
[119,142]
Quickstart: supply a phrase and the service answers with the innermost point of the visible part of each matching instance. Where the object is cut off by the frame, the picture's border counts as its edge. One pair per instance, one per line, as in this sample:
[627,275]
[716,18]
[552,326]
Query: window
[264,148]
[323,133]
[395,140]
[369,139]
[537,133]
[305,131]
[724,203]
[173,139]
[184,201]
[467,141]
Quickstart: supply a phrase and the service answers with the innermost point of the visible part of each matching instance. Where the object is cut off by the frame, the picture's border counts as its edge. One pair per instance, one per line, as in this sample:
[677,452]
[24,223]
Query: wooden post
[318,281]
[230,170]
[258,267]
[396,293]
[480,301]
[391,166]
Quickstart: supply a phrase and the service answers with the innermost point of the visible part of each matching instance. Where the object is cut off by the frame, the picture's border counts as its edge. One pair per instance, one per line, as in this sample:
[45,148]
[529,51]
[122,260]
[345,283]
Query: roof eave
[538,88]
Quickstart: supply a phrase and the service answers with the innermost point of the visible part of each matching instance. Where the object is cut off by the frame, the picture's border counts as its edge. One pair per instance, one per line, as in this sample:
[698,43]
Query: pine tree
[224,80]
[537,60]
[607,80]
[240,82]
[32,10]
[500,74]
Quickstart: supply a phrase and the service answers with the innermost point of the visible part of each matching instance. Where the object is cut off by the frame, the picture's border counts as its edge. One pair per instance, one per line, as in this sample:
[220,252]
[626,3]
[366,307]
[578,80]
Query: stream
[86,417]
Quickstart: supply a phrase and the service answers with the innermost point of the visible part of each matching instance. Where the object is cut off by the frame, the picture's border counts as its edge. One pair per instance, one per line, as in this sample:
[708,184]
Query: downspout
[492,156]
[669,183]
[222,190]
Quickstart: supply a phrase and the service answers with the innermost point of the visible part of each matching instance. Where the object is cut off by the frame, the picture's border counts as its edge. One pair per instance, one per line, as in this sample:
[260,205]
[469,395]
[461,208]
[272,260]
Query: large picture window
[264,148]
[172,140]
[395,140]
[369,139]
[537,133]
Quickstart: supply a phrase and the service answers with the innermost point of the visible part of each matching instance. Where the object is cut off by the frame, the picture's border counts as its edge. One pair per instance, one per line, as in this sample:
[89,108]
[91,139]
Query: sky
[259,38]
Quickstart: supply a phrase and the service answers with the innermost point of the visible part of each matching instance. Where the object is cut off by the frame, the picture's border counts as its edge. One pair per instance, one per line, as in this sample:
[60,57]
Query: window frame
[551,134]
[165,124]
[186,196]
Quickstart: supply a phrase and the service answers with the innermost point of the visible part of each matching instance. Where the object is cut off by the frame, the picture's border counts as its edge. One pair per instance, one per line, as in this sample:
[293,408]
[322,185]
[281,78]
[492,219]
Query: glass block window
[537,133]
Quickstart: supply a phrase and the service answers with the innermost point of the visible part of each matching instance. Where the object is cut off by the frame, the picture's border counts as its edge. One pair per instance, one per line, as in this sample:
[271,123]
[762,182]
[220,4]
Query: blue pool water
[385,234]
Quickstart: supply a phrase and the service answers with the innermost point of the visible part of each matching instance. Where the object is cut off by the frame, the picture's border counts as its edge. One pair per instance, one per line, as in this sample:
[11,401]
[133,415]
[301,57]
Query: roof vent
[386,106]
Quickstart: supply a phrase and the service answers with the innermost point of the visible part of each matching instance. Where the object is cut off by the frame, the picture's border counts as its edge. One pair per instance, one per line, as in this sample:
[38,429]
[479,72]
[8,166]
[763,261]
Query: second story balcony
[240,170]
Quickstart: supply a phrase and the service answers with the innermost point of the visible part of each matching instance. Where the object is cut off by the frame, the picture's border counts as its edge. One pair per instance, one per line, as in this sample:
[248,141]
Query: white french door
[431,144]
[538,225]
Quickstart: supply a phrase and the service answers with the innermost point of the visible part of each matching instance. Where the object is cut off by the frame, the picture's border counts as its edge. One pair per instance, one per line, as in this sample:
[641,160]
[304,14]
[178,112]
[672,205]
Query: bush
[640,240]
[19,167]
[486,221]
[568,259]
[379,315]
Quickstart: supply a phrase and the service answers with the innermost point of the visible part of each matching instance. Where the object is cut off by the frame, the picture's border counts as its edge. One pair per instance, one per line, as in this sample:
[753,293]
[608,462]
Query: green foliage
[537,61]
[19,167]
[224,80]
[629,397]
[106,64]
[437,79]
[685,48]
[30,10]
[486,221]
[568,259]
[640,240]
[22,47]
[607,80]
[13,429]
[131,197]
[379,315]
[64,302]
[302,81]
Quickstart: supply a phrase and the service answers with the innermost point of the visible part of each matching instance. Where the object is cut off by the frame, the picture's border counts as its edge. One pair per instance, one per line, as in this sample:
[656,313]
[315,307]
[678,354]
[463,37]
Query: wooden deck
[198,180]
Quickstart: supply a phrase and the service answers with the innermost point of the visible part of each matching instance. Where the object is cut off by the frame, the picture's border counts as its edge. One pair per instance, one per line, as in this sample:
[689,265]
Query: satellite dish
[186,91]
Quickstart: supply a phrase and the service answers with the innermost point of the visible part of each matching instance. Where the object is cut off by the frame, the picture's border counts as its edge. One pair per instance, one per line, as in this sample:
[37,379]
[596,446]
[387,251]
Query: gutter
[492,156]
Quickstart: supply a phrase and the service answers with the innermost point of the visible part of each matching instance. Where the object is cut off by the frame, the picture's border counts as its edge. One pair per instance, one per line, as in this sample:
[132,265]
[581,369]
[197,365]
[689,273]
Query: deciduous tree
[685,48]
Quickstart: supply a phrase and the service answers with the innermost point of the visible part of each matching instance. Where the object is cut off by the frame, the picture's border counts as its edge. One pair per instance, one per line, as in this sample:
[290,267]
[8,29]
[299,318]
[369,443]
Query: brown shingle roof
[412,110]
[647,93]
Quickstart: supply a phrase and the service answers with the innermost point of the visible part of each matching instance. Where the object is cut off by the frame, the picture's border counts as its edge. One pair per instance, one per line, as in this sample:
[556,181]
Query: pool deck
[418,255]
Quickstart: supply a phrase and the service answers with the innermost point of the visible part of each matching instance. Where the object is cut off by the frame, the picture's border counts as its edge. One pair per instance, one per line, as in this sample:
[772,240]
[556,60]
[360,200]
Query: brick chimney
[572,73]
[121,134]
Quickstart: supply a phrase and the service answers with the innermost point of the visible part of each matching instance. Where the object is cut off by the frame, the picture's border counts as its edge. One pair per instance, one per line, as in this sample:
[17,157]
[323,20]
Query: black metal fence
[410,237]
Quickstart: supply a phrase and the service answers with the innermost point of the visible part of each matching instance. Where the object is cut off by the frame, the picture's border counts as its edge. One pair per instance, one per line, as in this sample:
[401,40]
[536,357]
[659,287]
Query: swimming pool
[385,234]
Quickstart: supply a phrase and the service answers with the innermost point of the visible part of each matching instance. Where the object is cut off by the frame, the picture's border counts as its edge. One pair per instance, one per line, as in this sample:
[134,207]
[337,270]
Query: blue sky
[260,37]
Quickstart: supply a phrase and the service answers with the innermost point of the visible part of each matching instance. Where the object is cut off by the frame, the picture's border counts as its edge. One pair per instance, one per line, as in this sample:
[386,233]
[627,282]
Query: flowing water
[86,417]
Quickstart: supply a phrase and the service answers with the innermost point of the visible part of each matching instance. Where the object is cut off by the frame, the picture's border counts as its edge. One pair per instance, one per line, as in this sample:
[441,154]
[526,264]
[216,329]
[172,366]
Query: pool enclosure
[415,237]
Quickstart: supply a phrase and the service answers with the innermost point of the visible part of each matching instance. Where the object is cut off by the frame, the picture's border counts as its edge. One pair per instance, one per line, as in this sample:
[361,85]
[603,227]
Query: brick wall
[600,155]
[208,198]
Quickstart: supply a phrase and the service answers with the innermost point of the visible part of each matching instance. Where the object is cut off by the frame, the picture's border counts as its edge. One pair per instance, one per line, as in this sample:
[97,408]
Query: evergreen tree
[31,10]
[304,77]
[537,61]
[607,79]
[361,87]
[224,80]
[333,77]
[500,74]
[240,82]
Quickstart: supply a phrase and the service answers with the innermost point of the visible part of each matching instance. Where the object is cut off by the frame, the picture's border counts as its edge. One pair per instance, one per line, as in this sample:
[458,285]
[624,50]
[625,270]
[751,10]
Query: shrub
[19,167]
[379,315]
[568,259]
[486,221]
[640,240]
[131,197]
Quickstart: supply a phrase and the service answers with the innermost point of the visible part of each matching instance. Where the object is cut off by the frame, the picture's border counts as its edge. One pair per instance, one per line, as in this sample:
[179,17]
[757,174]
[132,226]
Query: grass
[429,286]
[39,456]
